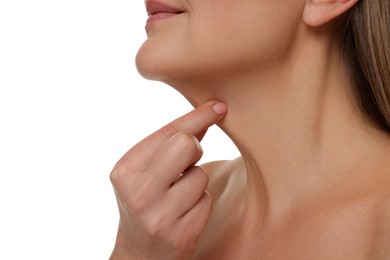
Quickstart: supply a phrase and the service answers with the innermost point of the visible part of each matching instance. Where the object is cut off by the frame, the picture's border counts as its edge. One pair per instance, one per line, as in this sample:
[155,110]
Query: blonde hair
[366,44]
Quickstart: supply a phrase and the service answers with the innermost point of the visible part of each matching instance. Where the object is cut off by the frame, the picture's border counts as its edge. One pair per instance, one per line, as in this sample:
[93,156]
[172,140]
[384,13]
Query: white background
[71,103]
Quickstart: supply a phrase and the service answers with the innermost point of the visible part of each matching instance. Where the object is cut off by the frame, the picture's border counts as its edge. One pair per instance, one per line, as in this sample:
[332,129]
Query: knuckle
[156,227]
[169,130]
[183,242]
[138,202]
[118,174]
[185,142]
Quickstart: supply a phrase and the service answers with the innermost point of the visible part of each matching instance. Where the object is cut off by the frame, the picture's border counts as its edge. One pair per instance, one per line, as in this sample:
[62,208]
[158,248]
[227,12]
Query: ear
[319,12]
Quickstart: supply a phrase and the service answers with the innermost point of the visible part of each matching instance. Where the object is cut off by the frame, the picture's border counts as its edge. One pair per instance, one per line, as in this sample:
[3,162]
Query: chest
[345,234]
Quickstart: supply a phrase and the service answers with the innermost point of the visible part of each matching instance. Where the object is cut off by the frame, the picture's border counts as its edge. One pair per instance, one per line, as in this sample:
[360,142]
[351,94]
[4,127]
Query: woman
[307,86]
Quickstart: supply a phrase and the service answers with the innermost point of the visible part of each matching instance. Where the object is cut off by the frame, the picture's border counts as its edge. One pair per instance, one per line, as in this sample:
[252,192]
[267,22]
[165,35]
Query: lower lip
[160,16]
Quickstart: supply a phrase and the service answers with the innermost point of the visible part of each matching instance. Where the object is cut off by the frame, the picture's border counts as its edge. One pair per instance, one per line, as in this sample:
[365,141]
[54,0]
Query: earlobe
[319,12]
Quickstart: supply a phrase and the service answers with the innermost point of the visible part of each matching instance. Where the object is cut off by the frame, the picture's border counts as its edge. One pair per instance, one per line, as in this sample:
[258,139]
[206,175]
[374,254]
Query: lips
[159,10]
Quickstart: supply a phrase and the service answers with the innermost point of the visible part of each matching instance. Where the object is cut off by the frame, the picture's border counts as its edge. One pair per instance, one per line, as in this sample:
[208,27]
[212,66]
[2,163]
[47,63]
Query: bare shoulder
[226,179]
[221,174]
[382,245]
[382,234]
[383,230]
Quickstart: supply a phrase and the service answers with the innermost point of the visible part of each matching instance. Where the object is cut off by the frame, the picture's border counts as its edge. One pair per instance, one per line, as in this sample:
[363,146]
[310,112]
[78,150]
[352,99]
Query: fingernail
[220,108]
[198,144]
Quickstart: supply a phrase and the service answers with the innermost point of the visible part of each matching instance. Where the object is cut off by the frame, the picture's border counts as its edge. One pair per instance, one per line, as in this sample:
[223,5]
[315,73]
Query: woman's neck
[296,126]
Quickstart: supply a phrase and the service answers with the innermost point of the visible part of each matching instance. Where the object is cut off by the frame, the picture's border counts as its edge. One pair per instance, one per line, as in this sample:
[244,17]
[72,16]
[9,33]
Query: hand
[161,195]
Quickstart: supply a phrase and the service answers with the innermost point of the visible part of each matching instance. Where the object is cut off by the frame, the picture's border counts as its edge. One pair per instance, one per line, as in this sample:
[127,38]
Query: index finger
[195,123]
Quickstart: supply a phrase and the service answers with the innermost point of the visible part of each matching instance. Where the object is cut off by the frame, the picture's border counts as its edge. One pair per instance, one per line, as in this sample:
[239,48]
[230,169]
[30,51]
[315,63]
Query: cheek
[247,33]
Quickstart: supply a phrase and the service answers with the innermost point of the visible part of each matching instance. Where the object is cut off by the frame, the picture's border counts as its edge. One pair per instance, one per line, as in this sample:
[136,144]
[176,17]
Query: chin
[161,59]
[177,70]
[170,61]
[149,66]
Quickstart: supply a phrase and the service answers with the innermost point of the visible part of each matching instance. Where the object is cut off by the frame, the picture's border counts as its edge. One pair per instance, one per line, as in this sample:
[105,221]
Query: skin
[312,180]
